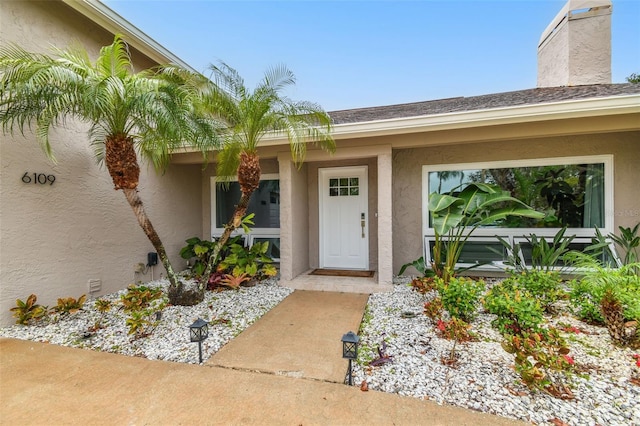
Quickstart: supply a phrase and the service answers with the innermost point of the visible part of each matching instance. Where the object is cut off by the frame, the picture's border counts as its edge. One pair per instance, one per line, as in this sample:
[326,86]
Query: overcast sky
[348,54]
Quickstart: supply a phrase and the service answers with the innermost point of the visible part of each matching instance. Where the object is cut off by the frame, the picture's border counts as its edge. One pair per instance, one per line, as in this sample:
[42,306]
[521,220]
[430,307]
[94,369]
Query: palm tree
[249,116]
[129,114]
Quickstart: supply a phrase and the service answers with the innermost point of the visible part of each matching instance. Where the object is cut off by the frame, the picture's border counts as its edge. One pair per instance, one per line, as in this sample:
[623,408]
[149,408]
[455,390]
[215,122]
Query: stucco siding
[55,238]
[300,220]
[407,177]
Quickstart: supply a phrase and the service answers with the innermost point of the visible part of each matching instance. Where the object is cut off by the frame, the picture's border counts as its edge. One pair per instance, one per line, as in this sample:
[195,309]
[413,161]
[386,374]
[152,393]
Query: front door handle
[362,223]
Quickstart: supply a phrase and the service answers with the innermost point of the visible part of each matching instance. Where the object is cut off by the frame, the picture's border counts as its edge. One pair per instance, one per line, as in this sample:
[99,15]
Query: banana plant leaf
[499,197]
[498,214]
[444,223]
[439,202]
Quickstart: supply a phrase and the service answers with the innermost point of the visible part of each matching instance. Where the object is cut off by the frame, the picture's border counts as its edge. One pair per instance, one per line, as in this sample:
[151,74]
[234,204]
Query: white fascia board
[491,117]
[580,108]
[108,19]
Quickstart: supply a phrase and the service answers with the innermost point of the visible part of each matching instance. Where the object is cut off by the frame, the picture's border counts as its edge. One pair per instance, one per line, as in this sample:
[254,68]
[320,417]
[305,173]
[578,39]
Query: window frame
[261,232]
[520,234]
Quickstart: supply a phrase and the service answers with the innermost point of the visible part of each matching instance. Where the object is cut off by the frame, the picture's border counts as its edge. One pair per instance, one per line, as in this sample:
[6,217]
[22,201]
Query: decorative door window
[344,187]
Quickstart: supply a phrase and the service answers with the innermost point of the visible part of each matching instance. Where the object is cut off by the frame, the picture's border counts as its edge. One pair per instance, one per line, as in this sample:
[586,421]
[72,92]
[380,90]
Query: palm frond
[277,78]
[228,80]
[115,59]
[228,161]
[250,115]
[158,110]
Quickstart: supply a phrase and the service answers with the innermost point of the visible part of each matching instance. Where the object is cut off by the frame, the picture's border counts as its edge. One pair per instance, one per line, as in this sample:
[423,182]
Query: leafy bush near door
[253,261]
[200,250]
[238,264]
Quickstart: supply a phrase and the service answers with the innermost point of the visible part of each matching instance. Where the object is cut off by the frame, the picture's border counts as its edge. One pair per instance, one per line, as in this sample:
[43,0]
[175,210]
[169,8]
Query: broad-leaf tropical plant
[146,114]
[250,115]
[457,214]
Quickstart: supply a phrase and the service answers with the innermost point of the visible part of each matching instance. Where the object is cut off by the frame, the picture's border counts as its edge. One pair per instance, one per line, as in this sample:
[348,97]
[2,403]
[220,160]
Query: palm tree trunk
[249,179]
[234,223]
[138,209]
[178,295]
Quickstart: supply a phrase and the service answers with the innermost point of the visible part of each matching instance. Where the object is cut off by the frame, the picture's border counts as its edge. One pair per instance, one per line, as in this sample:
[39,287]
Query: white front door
[344,218]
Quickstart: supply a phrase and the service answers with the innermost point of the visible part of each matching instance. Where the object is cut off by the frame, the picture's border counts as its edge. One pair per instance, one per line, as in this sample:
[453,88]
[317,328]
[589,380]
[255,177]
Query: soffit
[108,19]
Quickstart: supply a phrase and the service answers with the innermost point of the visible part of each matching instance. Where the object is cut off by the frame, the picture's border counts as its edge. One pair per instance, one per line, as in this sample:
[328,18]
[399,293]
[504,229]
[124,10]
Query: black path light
[198,331]
[350,351]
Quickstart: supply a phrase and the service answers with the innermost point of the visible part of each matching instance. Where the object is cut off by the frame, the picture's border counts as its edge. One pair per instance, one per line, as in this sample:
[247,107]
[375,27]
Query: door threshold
[343,273]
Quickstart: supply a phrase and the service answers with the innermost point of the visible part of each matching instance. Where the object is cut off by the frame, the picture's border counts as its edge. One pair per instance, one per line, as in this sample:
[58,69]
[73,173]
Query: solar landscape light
[198,331]
[350,351]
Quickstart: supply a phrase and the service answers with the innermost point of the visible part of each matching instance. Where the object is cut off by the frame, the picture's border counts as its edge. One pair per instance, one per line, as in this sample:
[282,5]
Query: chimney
[575,49]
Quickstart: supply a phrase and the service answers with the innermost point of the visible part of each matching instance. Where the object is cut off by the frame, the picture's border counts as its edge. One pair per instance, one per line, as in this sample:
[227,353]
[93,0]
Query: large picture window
[264,203]
[572,192]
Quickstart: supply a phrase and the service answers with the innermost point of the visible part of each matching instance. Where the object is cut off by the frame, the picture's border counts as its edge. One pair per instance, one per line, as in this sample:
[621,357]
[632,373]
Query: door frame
[364,192]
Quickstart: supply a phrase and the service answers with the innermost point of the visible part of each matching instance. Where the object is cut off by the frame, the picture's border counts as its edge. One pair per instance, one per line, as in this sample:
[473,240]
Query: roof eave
[116,24]
[580,108]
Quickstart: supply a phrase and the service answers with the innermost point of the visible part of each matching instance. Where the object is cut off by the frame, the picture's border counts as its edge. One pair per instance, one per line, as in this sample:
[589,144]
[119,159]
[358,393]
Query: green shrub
[253,261]
[542,360]
[517,309]
[27,311]
[200,250]
[584,299]
[143,306]
[69,305]
[586,293]
[542,284]
[460,296]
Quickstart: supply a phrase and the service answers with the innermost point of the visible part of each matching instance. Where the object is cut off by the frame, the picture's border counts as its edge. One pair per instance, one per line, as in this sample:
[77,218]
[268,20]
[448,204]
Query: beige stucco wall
[55,238]
[407,177]
[294,218]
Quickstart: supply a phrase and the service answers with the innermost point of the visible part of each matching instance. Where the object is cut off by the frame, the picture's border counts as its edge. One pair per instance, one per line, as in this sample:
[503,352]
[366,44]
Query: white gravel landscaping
[229,311]
[482,378]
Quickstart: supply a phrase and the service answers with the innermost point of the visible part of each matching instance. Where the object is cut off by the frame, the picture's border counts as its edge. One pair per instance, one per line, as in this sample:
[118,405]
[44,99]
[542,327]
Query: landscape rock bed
[482,377]
[229,311]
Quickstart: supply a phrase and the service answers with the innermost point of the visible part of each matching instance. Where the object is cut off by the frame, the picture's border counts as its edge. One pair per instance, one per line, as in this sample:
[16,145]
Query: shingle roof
[474,103]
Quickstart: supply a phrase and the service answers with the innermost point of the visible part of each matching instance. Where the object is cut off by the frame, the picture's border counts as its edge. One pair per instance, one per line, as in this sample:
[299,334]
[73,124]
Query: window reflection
[570,195]
[264,203]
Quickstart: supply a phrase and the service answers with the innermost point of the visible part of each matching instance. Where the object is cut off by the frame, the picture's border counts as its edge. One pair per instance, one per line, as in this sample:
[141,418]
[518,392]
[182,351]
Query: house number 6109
[38,178]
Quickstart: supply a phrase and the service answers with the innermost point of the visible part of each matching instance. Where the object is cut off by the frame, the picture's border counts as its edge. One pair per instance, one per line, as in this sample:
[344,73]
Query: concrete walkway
[286,369]
[301,337]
